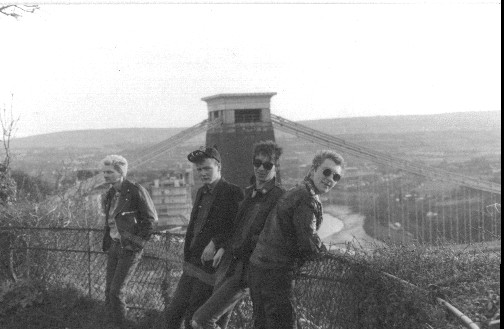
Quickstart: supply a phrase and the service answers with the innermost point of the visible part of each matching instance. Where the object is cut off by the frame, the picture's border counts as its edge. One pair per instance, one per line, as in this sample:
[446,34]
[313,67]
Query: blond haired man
[129,218]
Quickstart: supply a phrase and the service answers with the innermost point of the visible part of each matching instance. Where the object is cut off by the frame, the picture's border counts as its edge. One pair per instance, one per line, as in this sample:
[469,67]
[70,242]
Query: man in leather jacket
[288,239]
[129,218]
[210,228]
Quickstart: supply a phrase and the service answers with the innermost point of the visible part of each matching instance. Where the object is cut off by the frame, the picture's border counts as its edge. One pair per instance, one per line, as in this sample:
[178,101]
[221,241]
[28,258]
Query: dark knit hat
[204,153]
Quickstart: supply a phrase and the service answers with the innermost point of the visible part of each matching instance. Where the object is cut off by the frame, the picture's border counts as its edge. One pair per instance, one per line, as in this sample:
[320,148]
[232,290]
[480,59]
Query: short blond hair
[118,162]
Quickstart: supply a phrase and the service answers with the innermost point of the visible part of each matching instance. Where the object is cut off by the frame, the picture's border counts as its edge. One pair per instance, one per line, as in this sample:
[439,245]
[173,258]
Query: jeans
[272,293]
[215,313]
[121,264]
[190,294]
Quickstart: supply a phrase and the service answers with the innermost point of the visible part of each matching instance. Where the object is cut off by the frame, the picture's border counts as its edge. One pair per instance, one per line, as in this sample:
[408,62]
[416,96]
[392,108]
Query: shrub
[468,278]
[19,295]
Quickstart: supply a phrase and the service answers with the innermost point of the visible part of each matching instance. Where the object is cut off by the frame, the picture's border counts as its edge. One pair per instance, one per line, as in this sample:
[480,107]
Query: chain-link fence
[334,292]
[66,256]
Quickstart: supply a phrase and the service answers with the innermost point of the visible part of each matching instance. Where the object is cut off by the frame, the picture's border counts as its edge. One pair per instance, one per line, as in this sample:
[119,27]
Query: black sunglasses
[335,176]
[267,165]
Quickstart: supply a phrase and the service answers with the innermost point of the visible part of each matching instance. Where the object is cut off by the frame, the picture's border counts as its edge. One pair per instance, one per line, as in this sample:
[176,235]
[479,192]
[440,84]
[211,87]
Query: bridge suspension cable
[331,141]
[160,148]
[146,155]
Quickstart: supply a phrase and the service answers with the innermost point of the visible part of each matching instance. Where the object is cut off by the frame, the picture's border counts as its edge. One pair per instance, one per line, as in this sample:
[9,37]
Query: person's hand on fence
[208,253]
[217,258]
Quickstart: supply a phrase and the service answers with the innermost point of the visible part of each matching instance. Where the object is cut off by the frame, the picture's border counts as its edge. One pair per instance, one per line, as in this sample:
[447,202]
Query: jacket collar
[211,187]
[125,186]
[265,189]
[310,186]
[219,186]
[215,190]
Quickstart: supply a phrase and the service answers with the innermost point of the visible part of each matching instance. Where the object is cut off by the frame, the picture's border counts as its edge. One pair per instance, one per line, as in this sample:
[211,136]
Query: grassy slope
[468,278]
[67,308]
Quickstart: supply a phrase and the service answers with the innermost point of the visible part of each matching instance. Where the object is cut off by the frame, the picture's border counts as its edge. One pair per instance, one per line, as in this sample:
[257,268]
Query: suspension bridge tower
[246,119]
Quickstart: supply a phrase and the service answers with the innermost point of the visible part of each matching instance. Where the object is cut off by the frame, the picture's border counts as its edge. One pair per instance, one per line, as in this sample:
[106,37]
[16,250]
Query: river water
[342,226]
[330,226]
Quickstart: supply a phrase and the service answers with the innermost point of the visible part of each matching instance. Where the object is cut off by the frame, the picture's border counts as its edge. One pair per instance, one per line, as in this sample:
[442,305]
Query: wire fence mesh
[400,207]
[334,292]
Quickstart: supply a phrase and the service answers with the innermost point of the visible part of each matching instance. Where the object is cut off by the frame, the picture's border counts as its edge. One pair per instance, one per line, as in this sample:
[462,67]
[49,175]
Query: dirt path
[352,230]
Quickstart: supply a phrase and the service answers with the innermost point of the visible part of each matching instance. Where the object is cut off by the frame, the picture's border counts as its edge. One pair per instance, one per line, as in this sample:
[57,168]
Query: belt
[117,240]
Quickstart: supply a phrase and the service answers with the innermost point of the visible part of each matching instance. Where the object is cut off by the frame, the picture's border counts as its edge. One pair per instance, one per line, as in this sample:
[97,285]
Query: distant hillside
[471,121]
[132,137]
[99,138]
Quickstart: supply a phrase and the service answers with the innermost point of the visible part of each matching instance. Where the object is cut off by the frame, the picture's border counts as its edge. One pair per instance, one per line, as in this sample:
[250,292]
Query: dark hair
[268,148]
[321,156]
[200,161]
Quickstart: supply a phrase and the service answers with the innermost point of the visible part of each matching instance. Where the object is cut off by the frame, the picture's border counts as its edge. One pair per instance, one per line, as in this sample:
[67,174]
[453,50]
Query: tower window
[214,115]
[246,116]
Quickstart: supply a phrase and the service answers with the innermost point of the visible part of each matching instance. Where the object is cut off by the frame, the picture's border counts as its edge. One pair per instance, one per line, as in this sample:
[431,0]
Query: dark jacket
[249,223]
[290,234]
[251,218]
[135,216]
[218,225]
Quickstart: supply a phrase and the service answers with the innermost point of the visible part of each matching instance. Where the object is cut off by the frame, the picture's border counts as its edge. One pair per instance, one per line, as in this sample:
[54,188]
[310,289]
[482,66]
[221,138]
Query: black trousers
[121,265]
[272,293]
[191,294]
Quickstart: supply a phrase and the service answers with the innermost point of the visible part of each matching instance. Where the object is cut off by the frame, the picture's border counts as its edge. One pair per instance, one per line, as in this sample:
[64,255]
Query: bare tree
[9,127]
[17,11]
[8,186]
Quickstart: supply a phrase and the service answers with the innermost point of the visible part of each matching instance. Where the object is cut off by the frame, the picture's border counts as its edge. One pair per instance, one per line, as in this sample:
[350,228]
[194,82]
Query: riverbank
[348,228]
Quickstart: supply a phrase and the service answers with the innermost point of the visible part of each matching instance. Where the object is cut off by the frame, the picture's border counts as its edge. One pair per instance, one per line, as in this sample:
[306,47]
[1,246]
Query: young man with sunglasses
[260,199]
[210,228]
[289,238]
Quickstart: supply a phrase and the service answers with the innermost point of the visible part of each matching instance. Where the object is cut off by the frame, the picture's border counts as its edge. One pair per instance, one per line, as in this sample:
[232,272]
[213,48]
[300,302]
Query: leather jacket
[290,237]
[134,215]
[251,218]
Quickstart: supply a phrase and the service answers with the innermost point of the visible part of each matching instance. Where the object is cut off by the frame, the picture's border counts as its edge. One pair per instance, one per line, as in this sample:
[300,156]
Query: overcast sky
[113,66]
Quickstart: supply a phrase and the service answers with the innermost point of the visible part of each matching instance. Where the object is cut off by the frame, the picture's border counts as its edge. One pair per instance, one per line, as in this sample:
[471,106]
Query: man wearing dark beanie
[210,227]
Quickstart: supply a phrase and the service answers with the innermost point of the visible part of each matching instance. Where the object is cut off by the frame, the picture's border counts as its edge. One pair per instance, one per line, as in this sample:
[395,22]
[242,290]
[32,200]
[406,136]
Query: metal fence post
[89,261]
[12,271]
[28,260]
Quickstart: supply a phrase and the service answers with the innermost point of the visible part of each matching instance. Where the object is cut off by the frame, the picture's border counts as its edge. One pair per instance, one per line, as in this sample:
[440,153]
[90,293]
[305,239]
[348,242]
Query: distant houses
[172,197]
